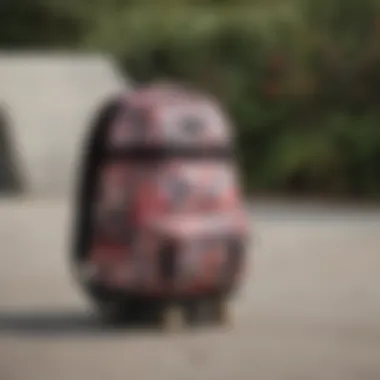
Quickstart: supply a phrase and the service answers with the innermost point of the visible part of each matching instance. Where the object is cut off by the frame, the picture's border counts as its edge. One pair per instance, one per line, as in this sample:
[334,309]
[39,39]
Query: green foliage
[37,24]
[301,78]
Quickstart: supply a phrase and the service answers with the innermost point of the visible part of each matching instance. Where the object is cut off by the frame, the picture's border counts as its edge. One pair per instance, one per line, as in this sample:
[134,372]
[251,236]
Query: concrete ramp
[49,100]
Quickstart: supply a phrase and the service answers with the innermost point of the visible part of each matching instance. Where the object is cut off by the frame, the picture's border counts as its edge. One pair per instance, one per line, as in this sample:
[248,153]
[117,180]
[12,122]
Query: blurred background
[301,79]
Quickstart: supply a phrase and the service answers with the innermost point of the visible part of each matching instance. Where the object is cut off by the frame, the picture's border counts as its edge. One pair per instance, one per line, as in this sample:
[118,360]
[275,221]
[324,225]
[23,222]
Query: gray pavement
[310,308]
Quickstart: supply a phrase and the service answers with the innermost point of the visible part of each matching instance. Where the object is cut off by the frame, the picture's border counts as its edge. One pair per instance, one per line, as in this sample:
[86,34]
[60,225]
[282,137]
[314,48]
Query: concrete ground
[310,308]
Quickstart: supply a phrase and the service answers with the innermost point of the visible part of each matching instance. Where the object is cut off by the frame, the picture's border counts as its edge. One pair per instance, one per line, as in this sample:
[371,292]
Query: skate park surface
[309,309]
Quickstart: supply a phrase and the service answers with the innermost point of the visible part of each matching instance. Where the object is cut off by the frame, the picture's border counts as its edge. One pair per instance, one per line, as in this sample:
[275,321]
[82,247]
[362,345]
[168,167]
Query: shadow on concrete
[66,324]
[10,175]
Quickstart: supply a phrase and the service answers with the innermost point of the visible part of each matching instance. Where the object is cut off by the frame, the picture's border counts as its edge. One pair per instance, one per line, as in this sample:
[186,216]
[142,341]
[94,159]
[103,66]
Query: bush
[300,81]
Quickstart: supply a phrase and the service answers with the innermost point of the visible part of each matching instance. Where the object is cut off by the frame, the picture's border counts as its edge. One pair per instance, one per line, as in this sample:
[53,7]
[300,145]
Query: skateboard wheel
[173,319]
